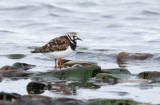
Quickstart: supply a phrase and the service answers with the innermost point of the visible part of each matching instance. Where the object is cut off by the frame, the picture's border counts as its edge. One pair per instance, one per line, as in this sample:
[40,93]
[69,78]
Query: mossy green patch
[120,72]
[16,56]
[76,73]
[108,78]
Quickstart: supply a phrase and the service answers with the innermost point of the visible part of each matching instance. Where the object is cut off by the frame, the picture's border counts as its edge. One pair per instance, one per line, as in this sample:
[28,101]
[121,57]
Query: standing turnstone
[59,47]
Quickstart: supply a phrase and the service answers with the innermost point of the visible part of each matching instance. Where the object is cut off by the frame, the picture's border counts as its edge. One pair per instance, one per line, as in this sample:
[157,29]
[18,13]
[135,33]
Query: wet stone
[14,73]
[63,61]
[120,72]
[9,96]
[74,73]
[154,76]
[44,100]
[107,78]
[6,68]
[23,66]
[111,102]
[72,63]
[37,87]
[16,56]
[124,56]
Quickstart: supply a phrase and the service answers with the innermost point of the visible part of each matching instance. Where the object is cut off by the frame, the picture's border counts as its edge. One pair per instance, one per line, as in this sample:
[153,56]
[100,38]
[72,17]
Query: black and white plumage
[59,47]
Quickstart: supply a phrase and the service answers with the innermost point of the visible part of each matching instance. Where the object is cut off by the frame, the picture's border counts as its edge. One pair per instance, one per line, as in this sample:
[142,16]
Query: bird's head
[73,36]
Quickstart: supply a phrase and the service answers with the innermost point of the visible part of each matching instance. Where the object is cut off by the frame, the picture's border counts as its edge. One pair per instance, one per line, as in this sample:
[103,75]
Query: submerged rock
[9,96]
[120,72]
[72,63]
[14,73]
[151,75]
[111,102]
[44,100]
[124,56]
[23,66]
[108,78]
[0,79]
[37,87]
[74,73]
[16,56]
[7,68]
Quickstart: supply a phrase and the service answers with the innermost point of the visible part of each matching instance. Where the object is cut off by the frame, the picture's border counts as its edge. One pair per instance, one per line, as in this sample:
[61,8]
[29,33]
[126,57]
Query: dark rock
[68,101]
[76,73]
[37,87]
[111,102]
[43,100]
[6,68]
[16,56]
[88,85]
[72,63]
[23,66]
[120,72]
[151,75]
[0,79]
[9,96]
[14,73]
[124,56]
[108,78]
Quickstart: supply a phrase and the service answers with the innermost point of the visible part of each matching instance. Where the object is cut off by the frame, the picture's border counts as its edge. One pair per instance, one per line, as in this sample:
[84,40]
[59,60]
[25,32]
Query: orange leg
[60,63]
[55,63]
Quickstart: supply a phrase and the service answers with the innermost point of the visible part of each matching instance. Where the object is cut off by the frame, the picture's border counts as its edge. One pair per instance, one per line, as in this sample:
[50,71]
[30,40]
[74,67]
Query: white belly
[59,54]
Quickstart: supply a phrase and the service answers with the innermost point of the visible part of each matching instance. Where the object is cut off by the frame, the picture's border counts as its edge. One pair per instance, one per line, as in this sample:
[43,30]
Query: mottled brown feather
[58,44]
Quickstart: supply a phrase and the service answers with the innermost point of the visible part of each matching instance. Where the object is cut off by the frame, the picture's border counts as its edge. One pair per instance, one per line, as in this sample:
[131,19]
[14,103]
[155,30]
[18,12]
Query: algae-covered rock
[124,56]
[72,63]
[151,75]
[5,68]
[76,73]
[111,102]
[16,56]
[108,78]
[14,73]
[88,85]
[23,66]
[120,72]
[44,100]
[37,87]
[8,96]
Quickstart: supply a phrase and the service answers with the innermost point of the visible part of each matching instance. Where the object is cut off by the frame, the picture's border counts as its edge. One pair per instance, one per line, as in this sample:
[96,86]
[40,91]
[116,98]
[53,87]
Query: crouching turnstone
[59,47]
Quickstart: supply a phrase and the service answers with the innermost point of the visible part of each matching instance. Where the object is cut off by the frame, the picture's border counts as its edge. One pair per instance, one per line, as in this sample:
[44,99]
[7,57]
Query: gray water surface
[107,27]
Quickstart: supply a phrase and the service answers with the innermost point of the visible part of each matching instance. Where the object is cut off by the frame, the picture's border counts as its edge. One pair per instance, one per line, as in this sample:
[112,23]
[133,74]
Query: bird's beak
[79,39]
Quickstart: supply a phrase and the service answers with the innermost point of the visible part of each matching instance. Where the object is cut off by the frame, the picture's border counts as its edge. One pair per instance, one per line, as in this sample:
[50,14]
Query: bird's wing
[57,44]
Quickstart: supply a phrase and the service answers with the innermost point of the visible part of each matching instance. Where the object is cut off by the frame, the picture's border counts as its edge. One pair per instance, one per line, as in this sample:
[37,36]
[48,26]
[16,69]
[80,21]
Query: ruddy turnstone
[59,47]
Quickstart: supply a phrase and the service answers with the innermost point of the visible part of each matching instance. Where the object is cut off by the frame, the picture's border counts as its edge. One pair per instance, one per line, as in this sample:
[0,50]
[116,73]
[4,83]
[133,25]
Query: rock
[120,72]
[43,100]
[14,73]
[111,102]
[72,63]
[124,56]
[151,75]
[63,61]
[37,87]
[107,78]
[23,66]
[0,79]
[88,85]
[6,68]
[9,96]
[75,73]
[16,56]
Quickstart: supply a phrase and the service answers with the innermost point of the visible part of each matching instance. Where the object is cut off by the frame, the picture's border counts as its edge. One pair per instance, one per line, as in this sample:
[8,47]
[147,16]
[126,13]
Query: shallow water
[107,27]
